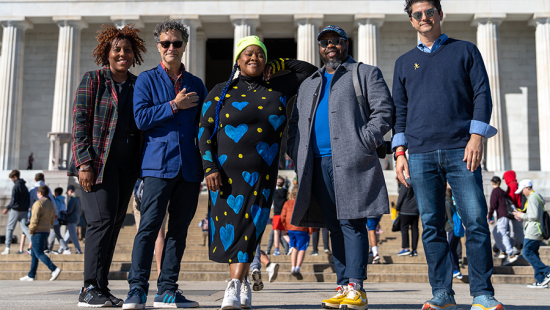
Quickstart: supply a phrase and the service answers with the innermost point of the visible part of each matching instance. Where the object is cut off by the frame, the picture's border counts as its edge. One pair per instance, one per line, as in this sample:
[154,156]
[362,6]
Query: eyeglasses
[429,13]
[166,44]
[334,41]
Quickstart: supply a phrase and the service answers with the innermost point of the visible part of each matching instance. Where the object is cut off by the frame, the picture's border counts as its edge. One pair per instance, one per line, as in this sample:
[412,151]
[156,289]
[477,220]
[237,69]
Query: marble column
[67,77]
[122,20]
[11,90]
[542,35]
[191,23]
[308,29]
[488,45]
[368,37]
[244,25]
[200,59]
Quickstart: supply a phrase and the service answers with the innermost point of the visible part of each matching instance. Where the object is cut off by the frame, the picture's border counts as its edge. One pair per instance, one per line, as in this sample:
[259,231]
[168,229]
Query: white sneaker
[511,259]
[67,252]
[55,274]
[6,251]
[231,299]
[246,295]
[272,271]
[537,285]
[290,251]
[501,255]
[26,278]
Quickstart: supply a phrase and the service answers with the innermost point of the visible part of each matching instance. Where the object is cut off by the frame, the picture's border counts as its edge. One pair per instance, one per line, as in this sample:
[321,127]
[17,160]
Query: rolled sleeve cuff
[481,128]
[398,140]
[174,107]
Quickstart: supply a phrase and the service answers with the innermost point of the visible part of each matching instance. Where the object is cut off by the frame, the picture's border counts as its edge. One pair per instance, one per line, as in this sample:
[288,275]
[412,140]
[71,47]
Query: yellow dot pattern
[225,213]
[227,95]
[280,108]
[216,218]
[270,89]
[246,215]
[245,238]
[235,87]
[208,170]
[221,193]
[267,177]
[227,115]
[230,260]
[255,193]
[281,135]
[210,120]
[240,155]
[260,108]
[217,98]
[254,90]
[230,181]
[209,141]
[243,95]
[214,251]
[260,130]
[263,98]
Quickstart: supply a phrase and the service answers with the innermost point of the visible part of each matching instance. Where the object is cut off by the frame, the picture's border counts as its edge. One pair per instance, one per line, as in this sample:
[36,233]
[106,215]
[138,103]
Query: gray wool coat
[359,183]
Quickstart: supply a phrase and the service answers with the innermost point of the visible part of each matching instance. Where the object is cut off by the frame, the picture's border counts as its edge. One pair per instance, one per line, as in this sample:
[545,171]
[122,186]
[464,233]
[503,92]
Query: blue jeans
[183,197]
[37,252]
[429,173]
[350,242]
[531,254]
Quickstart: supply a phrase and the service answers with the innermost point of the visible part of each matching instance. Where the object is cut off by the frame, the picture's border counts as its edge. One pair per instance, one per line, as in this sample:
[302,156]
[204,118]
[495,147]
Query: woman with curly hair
[106,154]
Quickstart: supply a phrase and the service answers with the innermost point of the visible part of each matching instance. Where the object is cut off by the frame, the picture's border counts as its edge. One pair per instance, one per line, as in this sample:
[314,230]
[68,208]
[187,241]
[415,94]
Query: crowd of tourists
[165,128]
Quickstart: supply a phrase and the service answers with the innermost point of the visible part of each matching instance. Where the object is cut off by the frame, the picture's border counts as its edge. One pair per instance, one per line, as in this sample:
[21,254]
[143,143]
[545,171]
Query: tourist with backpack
[204,226]
[454,230]
[499,204]
[536,227]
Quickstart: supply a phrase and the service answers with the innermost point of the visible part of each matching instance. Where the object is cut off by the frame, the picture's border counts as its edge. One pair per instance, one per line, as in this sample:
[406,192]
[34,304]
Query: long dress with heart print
[245,150]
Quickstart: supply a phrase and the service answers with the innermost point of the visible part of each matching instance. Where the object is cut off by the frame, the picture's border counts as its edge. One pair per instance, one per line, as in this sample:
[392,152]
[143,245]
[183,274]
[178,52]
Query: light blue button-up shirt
[476,127]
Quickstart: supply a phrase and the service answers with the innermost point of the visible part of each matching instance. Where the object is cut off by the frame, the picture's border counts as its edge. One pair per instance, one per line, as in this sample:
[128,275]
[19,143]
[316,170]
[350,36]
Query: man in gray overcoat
[332,141]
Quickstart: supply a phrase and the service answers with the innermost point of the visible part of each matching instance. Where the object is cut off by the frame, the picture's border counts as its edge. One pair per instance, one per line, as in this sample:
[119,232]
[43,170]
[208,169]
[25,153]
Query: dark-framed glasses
[429,13]
[166,44]
[334,41]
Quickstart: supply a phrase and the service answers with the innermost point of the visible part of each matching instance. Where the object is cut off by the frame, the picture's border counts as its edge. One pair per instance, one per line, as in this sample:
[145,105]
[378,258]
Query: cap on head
[332,28]
[523,184]
[246,42]
[71,188]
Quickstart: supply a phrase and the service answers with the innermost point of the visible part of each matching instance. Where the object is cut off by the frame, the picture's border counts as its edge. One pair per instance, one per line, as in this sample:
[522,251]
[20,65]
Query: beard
[334,62]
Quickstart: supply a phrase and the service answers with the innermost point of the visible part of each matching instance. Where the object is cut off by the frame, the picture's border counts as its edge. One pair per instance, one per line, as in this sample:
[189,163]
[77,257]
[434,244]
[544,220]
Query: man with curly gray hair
[167,105]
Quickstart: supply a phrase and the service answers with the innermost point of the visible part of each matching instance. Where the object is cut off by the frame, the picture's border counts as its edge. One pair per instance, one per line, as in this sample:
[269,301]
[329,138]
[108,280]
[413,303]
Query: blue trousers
[350,242]
[531,254]
[430,173]
[37,253]
[183,197]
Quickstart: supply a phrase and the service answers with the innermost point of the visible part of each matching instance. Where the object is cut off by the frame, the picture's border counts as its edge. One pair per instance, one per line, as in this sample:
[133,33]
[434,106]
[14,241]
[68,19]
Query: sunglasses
[334,41]
[429,13]
[166,44]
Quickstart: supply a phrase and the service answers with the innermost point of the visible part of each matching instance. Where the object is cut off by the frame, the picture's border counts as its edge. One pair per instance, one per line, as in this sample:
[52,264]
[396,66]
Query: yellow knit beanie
[246,42]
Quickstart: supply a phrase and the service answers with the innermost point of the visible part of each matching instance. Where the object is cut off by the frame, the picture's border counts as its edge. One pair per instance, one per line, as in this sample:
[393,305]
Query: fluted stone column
[67,76]
[11,90]
[200,68]
[542,22]
[244,25]
[308,29]
[191,23]
[368,37]
[488,45]
[122,20]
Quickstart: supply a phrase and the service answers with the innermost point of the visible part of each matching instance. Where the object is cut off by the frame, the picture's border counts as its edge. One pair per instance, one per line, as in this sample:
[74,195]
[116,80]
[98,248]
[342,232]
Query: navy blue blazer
[170,140]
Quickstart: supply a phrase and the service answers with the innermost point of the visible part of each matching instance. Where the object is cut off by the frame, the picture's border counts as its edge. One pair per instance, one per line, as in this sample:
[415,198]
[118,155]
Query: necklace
[251,86]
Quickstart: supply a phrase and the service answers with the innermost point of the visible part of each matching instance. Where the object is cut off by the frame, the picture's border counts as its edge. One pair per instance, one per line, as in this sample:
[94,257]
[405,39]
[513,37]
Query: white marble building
[47,45]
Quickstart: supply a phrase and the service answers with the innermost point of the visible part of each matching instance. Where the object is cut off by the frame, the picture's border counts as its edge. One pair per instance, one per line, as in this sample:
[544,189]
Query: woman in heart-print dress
[242,123]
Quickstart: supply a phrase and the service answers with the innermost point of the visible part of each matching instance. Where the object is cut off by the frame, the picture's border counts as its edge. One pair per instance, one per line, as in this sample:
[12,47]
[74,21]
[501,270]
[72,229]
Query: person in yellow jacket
[42,219]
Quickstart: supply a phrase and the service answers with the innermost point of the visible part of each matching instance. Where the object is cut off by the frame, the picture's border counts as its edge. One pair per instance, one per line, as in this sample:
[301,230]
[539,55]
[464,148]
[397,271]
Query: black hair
[43,190]
[496,180]
[409,4]
[221,100]
[58,191]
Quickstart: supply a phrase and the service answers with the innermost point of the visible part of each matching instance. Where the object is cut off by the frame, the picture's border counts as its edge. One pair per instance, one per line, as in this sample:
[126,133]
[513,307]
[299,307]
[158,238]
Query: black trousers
[105,207]
[406,222]
[315,239]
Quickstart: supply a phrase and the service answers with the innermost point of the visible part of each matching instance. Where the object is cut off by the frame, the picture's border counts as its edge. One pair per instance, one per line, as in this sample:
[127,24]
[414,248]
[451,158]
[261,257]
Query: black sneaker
[117,302]
[414,253]
[91,297]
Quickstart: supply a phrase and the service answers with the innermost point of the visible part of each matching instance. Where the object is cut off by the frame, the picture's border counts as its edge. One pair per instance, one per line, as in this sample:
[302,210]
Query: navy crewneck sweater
[437,95]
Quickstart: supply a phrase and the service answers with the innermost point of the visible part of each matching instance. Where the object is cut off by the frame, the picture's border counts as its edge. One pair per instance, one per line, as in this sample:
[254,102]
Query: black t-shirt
[279,199]
[126,121]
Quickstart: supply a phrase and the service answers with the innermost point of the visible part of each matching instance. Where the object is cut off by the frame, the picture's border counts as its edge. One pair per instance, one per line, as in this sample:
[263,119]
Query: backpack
[458,229]
[510,207]
[205,225]
[545,225]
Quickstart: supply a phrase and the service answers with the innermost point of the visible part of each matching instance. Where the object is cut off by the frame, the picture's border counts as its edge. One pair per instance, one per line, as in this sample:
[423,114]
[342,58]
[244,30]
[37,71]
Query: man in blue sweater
[442,112]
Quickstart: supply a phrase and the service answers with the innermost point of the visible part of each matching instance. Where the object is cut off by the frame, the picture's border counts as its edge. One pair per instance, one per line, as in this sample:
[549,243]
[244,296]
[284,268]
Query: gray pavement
[64,295]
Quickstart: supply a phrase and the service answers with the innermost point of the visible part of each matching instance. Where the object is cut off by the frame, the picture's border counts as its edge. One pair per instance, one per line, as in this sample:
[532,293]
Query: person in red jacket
[516,228]
[510,179]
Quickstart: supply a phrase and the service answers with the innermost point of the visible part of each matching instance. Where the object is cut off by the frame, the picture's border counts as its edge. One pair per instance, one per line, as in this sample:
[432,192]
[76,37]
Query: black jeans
[105,207]
[350,242]
[406,222]
[315,240]
[183,197]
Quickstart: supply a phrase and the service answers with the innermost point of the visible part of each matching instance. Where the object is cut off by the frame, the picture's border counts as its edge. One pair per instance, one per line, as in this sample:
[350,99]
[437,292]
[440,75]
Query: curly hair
[112,35]
[171,24]
[409,4]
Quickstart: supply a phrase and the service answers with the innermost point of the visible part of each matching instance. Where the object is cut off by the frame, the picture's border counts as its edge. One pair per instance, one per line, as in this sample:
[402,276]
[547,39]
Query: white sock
[297,269]
[293,269]
[374,250]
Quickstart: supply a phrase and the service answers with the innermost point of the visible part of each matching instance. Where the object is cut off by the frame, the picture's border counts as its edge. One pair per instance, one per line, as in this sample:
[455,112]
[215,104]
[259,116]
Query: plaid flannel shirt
[95,116]
[177,85]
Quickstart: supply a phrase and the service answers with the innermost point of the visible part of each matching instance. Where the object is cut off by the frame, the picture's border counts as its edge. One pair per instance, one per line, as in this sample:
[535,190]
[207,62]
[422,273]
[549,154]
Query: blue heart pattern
[276,121]
[201,130]
[236,133]
[266,193]
[268,153]
[240,105]
[260,218]
[212,230]
[205,107]
[243,257]
[283,100]
[214,196]
[251,178]
[207,156]
[222,159]
[235,203]
[227,235]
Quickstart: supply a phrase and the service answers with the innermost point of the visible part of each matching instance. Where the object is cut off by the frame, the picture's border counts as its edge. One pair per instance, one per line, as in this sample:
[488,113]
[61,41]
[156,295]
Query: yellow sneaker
[334,301]
[355,299]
